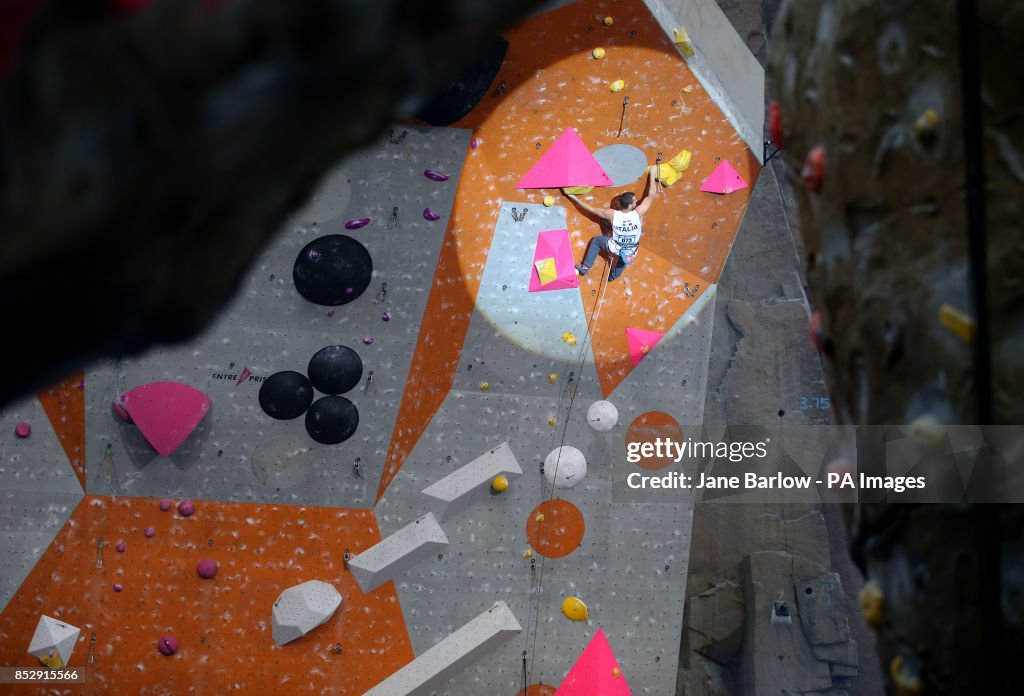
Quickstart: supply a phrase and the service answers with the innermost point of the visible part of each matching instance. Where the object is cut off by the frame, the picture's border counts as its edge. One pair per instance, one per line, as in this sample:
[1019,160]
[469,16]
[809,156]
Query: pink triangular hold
[567,162]
[596,672]
[641,342]
[555,244]
[166,413]
[723,180]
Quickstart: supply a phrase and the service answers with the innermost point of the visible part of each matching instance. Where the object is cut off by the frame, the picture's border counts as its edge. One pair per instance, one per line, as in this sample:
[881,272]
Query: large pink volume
[166,413]
[555,245]
[640,343]
[596,673]
[567,163]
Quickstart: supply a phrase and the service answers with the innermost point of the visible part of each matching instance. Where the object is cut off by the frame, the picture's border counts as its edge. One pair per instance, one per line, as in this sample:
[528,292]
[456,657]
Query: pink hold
[121,547]
[165,505]
[206,568]
[429,214]
[186,508]
[119,410]
[149,531]
[117,588]
[368,340]
[23,429]
[386,316]
[167,645]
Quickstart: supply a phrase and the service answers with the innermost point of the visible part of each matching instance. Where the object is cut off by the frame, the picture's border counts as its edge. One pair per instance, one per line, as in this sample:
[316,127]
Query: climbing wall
[238,452]
[464,358]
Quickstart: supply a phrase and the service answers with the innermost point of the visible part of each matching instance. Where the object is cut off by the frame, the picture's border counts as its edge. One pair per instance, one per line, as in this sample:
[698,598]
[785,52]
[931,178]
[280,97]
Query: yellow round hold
[574,609]
[552,421]
[528,553]
[598,53]
[616,673]
[500,483]
[553,377]
[484,386]
[549,201]
[608,21]
[617,85]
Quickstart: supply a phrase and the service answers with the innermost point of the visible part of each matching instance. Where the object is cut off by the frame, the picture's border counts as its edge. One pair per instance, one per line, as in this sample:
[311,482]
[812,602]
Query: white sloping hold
[400,551]
[302,608]
[469,483]
[602,416]
[565,467]
[452,655]
[54,636]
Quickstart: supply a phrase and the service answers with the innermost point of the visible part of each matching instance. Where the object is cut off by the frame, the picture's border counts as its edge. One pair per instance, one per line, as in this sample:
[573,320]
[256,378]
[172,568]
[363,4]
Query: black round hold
[286,395]
[331,420]
[332,270]
[335,369]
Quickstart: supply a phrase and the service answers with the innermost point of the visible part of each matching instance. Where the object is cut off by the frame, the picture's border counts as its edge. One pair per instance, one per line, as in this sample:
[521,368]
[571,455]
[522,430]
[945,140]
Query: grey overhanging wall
[724,65]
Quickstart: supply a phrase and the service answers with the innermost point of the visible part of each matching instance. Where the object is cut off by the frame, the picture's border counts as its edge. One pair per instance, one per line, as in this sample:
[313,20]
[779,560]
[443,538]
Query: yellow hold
[681,161]
[552,421]
[926,123]
[668,175]
[528,553]
[956,321]
[608,21]
[569,338]
[577,190]
[53,660]
[598,53]
[484,386]
[682,41]
[546,270]
[553,377]
[617,85]
[500,483]
[574,609]
[549,201]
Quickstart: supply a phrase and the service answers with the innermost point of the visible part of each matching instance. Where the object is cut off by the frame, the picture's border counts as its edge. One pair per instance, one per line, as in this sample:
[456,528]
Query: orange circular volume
[555,528]
[646,438]
[537,690]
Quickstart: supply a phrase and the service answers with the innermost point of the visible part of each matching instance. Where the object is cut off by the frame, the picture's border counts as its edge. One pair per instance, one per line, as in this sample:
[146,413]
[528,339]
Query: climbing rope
[537,575]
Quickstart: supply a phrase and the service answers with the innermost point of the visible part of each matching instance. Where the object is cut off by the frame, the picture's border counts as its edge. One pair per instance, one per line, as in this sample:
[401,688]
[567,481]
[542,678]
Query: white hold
[565,467]
[53,639]
[302,608]
[602,416]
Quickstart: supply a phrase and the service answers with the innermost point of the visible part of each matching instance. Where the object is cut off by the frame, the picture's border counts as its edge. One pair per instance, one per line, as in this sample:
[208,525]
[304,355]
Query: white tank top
[626,228]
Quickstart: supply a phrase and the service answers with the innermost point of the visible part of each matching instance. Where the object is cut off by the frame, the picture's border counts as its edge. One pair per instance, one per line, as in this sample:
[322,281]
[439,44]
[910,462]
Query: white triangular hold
[301,608]
[53,636]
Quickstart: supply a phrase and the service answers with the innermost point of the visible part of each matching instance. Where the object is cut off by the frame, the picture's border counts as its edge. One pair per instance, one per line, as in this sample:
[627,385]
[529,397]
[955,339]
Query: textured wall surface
[886,246]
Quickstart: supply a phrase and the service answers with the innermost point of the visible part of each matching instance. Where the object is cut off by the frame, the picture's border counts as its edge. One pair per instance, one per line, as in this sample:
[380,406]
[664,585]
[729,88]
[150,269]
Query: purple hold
[349,291]
[119,409]
[206,568]
[121,547]
[435,176]
[357,223]
[167,645]
[430,214]
[186,508]
[314,254]
[386,316]
[330,314]
[149,532]
[473,144]
[368,340]
[165,505]
[117,588]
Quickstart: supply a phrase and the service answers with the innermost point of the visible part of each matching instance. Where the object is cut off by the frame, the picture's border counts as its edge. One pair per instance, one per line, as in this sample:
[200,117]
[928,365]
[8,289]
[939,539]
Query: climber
[626,228]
